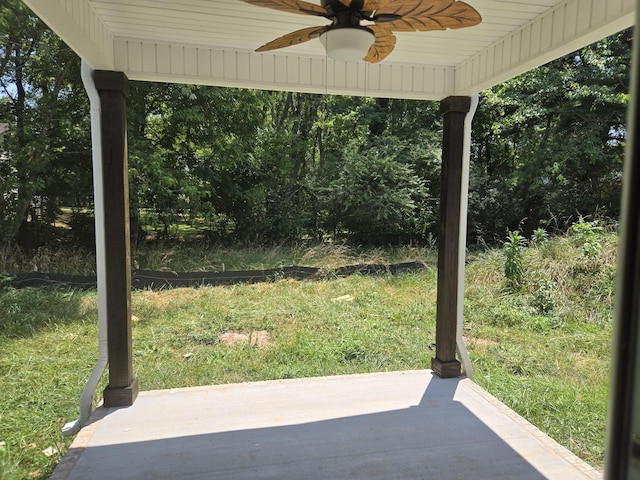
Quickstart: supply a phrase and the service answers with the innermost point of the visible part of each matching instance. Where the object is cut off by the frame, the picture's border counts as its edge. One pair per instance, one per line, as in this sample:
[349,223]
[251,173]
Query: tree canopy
[549,144]
[259,166]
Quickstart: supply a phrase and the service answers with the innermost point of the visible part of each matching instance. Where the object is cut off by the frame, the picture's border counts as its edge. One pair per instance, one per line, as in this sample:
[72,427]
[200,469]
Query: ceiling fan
[347,40]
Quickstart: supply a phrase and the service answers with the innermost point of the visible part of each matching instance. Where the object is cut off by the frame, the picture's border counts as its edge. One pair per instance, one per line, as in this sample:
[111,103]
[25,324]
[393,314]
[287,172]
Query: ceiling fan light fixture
[347,44]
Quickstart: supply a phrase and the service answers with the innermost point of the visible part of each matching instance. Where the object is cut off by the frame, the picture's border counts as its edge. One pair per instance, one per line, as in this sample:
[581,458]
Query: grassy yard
[543,348]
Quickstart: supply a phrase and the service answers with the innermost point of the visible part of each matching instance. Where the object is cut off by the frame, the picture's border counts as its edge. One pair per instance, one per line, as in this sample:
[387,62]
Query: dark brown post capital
[455,104]
[106,80]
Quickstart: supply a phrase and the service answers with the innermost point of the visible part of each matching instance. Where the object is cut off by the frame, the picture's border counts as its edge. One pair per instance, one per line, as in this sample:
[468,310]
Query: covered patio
[401,425]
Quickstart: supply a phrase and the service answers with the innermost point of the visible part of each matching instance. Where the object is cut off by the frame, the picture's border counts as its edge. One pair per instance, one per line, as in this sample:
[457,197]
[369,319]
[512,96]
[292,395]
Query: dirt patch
[155,299]
[258,338]
[483,342]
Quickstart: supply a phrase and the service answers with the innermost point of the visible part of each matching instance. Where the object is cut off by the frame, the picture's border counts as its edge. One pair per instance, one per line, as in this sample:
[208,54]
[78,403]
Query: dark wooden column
[454,110]
[113,89]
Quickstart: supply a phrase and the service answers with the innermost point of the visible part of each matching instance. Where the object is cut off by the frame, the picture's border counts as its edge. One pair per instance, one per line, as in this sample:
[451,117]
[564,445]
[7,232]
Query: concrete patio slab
[400,425]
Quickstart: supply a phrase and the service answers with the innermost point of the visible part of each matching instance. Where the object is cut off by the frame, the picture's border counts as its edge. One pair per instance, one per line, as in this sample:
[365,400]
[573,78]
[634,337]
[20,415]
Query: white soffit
[212,42]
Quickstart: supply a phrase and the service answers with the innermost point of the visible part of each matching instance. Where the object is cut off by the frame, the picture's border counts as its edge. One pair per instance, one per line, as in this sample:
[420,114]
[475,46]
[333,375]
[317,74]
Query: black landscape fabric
[149,279]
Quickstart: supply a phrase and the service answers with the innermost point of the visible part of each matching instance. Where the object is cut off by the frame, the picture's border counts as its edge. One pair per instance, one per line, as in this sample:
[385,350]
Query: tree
[548,145]
[374,198]
[47,159]
[191,154]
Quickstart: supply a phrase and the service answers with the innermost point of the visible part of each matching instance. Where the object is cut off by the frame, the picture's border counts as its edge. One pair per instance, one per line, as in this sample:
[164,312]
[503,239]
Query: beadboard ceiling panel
[213,43]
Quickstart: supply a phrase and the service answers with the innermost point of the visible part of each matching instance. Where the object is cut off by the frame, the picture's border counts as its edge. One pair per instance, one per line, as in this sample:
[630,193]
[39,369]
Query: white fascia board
[569,26]
[77,23]
[142,59]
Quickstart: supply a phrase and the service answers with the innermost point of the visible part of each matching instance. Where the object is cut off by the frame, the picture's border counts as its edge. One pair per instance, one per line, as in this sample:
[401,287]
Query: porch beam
[451,228]
[112,87]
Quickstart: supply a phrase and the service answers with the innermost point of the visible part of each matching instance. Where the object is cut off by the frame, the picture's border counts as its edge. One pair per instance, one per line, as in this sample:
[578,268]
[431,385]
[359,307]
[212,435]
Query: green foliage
[190,156]
[82,227]
[543,297]
[550,143]
[539,237]
[46,161]
[374,196]
[587,235]
[288,169]
[5,279]
[514,270]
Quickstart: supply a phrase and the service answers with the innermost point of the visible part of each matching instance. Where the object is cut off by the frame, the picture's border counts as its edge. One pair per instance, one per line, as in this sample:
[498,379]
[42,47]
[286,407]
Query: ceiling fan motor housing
[338,9]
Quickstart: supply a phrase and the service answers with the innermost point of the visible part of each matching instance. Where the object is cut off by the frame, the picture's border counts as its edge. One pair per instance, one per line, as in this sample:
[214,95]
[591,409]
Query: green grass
[194,257]
[315,328]
[46,354]
[544,351]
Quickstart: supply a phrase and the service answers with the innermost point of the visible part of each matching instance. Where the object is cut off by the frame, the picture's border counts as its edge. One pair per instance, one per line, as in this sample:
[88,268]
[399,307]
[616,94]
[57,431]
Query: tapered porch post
[451,233]
[112,88]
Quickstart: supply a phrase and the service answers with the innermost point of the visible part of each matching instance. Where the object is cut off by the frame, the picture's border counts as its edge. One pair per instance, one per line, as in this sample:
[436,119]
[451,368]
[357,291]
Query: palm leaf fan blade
[293,38]
[365,5]
[384,44]
[434,15]
[413,7]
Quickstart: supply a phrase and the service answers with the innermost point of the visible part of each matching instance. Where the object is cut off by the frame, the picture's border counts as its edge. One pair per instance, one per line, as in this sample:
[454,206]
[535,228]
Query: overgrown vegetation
[543,349]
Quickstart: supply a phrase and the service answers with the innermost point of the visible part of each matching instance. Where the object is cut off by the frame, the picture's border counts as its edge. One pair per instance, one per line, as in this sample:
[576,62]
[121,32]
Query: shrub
[514,263]
[539,236]
[586,234]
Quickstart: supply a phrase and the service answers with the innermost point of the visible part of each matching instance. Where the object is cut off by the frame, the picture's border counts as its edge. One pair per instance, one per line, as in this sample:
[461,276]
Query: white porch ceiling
[213,42]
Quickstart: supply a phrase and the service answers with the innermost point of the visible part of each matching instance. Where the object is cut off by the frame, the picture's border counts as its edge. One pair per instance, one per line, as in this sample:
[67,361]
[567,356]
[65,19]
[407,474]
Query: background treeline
[235,165]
